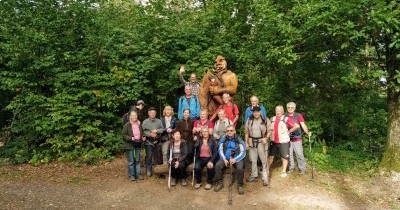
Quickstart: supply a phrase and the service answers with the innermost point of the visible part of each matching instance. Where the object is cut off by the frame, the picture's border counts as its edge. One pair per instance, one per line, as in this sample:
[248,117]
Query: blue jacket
[248,113]
[193,105]
[236,144]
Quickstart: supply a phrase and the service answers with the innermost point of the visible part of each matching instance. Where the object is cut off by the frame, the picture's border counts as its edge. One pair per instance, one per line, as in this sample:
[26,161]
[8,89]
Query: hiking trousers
[260,152]
[297,148]
[220,170]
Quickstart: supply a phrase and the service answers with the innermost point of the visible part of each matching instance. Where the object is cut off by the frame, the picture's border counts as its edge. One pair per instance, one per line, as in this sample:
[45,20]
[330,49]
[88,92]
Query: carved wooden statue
[216,82]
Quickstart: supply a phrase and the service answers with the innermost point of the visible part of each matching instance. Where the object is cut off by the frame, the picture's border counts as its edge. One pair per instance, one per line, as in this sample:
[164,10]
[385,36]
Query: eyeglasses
[290,107]
[230,130]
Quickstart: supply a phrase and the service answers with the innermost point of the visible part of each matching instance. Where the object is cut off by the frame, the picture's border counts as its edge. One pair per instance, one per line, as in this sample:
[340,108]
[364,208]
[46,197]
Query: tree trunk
[391,156]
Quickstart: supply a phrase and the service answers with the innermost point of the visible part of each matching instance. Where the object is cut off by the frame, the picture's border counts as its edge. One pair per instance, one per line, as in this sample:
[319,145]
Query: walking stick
[312,167]
[194,165]
[170,165]
[230,182]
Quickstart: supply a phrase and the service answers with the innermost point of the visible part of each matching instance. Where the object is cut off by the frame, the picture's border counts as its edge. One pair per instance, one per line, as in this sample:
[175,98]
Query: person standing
[153,129]
[232,151]
[185,126]
[254,102]
[231,109]
[280,138]
[206,156]
[178,160]
[220,125]
[133,135]
[138,109]
[189,101]
[296,144]
[193,81]
[256,143]
[169,122]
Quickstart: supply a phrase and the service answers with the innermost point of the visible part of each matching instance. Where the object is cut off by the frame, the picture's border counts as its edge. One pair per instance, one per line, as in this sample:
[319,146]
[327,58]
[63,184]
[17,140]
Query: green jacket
[127,135]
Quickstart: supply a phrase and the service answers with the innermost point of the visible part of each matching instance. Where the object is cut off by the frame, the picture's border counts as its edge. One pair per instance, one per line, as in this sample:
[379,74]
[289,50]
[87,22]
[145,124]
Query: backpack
[297,133]
[252,121]
[199,124]
[233,108]
[195,98]
[225,144]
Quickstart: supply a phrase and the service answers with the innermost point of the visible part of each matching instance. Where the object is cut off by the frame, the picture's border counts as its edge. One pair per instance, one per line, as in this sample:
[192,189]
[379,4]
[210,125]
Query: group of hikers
[210,140]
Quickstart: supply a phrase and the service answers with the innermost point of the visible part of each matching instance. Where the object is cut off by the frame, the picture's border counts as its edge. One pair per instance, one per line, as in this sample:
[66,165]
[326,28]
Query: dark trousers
[220,170]
[200,163]
[151,153]
[180,172]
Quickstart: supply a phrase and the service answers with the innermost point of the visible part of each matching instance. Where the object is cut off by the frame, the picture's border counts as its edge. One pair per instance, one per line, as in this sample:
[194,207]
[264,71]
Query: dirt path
[59,186]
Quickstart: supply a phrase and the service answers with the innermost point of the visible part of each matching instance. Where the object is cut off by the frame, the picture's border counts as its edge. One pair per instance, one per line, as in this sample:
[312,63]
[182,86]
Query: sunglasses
[230,130]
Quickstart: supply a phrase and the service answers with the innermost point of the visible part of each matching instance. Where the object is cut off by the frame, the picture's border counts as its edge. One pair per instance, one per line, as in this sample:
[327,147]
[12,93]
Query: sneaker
[218,187]
[149,174]
[240,190]
[197,186]
[183,182]
[132,179]
[208,186]
[140,177]
[173,181]
[265,183]
[302,173]
[283,174]
[252,179]
[290,171]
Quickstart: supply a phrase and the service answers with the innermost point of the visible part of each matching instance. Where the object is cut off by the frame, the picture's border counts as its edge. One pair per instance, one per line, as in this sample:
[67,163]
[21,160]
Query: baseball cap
[140,102]
[256,109]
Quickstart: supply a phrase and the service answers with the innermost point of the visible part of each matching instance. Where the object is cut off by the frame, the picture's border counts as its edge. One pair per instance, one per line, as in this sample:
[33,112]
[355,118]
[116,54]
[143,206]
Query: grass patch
[344,161]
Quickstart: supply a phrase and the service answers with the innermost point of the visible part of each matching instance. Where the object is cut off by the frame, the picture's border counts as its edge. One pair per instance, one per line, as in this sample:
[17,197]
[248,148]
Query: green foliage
[69,71]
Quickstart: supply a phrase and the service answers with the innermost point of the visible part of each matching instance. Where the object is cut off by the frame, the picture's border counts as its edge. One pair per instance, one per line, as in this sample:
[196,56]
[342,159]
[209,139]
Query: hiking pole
[230,181]
[312,167]
[194,165]
[170,165]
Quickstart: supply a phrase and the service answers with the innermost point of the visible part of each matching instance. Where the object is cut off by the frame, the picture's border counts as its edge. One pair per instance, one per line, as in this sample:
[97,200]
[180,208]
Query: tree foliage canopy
[70,69]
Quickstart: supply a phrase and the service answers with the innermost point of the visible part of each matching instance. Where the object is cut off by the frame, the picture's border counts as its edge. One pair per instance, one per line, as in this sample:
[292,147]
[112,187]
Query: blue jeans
[134,162]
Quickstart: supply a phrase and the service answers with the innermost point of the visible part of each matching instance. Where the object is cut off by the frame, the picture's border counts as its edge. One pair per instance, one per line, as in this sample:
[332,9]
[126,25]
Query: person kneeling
[205,156]
[232,151]
[178,158]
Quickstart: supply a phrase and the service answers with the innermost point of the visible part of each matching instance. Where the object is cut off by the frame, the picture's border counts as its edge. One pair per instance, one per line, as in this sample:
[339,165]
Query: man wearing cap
[254,102]
[152,128]
[256,142]
[138,109]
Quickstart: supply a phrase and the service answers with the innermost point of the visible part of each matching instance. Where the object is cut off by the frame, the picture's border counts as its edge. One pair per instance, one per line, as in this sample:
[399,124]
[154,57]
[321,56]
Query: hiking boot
[208,186]
[140,177]
[283,174]
[218,186]
[265,183]
[183,182]
[290,171]
[252,179]
[240,190]
[197,185]
[173,181]
[302,173]
[132,179]
[149,173]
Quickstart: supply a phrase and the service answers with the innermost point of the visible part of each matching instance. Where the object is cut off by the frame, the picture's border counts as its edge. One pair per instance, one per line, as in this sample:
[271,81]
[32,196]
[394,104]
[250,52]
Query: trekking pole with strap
[230,181]
[170,165]
[311,158]
[194,165]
